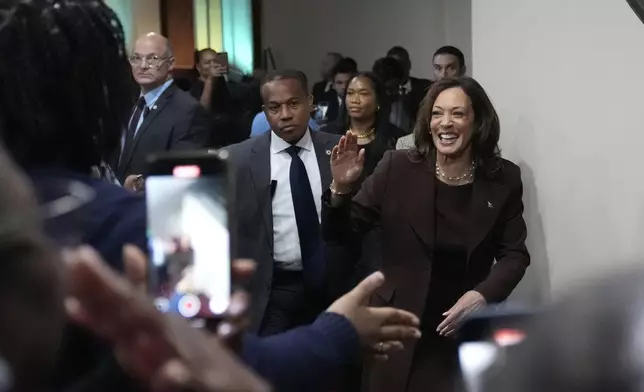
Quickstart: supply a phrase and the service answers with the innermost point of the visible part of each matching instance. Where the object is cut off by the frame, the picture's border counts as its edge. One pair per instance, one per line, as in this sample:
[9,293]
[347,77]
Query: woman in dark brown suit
[447,209]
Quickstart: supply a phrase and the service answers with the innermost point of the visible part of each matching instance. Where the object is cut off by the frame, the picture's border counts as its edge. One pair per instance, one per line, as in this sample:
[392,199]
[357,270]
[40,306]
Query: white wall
[566,77]
[458,27]
[300,32]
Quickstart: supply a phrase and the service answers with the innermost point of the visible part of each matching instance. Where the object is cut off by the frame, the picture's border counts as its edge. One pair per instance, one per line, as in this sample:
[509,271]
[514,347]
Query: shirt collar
[153,95]
[278,144]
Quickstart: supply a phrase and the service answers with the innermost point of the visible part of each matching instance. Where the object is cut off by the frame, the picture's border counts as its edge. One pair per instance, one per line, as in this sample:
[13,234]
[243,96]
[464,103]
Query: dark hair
[285,75]
[345,66]
[66,84]
[388,68]
[454,51]
[486,127]
[382,116]
[399,51]
[199,54]
[336,55]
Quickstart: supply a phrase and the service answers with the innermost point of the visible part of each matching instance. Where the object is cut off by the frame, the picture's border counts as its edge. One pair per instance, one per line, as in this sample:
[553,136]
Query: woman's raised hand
[347,162]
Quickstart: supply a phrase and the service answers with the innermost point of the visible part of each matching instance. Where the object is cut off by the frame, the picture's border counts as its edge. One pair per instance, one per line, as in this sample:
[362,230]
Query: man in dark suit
[165,117]
[412,90]
[280,178]
[326,84]
[334,98]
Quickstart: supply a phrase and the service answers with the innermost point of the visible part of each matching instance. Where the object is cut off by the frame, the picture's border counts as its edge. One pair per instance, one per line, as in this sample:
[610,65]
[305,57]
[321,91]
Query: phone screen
[188,234]
[222,59]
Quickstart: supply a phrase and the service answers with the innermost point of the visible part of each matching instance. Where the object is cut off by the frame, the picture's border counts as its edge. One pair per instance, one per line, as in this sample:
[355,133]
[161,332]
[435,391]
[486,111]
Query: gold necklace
[363,135]
[468,175]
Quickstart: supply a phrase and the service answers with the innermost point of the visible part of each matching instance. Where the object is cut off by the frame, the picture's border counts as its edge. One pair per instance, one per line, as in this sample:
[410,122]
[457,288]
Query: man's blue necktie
[308,225]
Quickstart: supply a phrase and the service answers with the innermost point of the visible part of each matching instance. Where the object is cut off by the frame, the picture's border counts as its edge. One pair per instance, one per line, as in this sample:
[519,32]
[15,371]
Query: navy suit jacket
[303,359]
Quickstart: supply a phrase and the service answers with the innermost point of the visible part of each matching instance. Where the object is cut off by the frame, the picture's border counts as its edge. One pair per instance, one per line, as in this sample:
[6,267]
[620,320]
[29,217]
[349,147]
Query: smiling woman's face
[451,123]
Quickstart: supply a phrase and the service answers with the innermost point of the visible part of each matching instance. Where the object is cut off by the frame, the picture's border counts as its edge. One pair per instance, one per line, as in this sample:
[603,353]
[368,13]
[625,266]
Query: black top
[447,282]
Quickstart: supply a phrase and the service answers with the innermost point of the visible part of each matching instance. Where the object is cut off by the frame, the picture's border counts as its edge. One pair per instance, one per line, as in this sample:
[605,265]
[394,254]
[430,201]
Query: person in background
[391,73]
[210,89]
[451,213]
[412,90]
[448,62]
[213,91]
[333,99]
[326,68]
[365,115]
[277,213]
[165,118]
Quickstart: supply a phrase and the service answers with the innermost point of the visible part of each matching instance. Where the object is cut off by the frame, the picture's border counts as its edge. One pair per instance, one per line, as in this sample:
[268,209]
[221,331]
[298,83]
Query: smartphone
[222,59]
[485,338]
[189,205]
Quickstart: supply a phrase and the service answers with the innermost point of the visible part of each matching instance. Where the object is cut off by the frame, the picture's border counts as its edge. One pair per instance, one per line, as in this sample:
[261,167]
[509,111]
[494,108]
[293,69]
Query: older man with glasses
[164,117]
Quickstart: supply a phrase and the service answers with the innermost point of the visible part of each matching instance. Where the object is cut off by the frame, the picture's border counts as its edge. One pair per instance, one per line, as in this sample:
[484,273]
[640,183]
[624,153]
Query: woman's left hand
[468,303]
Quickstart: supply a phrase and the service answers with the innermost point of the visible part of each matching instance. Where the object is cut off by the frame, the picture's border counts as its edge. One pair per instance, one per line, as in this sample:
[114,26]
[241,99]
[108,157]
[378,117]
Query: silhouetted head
[66,89]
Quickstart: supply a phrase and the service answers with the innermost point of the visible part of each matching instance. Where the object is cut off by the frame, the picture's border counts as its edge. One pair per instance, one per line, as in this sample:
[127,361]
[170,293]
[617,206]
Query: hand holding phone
[221,63]
[188,215]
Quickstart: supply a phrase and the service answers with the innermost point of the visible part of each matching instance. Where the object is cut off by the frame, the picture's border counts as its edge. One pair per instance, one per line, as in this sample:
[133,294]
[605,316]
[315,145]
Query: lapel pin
[328,152]
[489,204]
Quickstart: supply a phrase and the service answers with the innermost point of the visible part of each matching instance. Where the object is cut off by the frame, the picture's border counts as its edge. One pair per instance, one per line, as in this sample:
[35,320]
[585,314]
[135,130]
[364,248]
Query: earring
[378,108]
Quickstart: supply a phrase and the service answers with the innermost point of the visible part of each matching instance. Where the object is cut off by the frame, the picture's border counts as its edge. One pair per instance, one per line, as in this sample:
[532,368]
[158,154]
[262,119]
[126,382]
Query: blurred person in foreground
[69,63]
[65,98]
[447,210]
[33,289]
[590,341]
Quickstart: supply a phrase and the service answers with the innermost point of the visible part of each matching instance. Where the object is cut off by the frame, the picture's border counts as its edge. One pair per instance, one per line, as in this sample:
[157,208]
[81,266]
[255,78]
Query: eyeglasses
[152,61]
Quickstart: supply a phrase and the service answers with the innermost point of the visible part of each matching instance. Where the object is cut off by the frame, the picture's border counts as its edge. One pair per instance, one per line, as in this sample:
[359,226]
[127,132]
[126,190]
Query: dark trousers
[289,304]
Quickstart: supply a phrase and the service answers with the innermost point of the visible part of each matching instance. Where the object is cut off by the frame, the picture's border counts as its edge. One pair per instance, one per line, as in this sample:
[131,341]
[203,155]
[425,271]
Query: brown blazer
[399,197]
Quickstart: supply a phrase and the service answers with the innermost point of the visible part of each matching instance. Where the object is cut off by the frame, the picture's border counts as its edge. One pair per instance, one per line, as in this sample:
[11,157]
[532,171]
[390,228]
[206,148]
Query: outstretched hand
[380,329]
[466,305]
[163,351]
[347,162]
